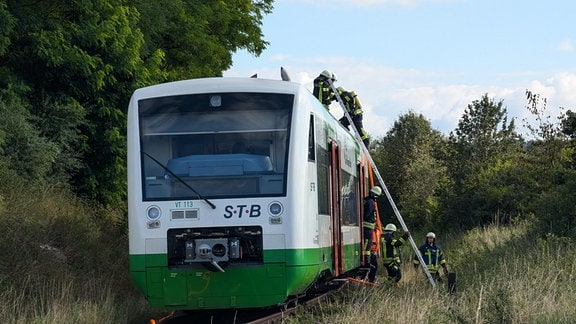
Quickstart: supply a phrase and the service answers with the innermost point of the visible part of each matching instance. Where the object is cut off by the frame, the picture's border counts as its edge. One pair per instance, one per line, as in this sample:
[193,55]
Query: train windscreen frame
[214,145]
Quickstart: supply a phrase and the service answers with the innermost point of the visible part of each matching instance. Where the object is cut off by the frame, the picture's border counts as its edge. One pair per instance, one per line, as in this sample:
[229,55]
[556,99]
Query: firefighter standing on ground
[432,256]
[390,248]
[322,89]
[369,223]
[354,108]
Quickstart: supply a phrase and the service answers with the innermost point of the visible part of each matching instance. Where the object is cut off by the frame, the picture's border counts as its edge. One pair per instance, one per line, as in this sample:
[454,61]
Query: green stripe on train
[285,273]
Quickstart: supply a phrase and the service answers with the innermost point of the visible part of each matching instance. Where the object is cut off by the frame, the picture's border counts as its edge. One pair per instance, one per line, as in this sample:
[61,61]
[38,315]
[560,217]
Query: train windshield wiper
[179,179]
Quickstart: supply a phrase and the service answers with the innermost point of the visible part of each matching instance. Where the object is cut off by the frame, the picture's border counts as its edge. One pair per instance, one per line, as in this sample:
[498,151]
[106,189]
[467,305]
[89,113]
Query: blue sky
[432,57]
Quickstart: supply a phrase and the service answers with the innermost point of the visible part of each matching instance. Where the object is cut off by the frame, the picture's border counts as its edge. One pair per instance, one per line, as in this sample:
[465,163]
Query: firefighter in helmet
[390,247]
[354,109]
[369,224]
[322,89]
[432,256]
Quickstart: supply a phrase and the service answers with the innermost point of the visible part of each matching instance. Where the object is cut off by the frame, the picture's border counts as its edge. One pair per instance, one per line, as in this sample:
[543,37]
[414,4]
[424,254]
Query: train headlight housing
[275,208]
[153,213]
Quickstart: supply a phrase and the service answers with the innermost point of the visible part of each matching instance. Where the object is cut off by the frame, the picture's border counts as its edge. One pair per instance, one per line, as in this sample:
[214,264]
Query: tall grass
[504,275]
[58,301]
[65,261]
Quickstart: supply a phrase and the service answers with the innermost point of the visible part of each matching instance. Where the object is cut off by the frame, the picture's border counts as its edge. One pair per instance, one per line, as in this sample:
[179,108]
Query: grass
[505,275]
[65,261]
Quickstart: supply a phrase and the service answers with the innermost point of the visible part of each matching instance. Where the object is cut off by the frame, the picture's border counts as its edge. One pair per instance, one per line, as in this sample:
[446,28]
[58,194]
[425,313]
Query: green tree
[74,66]
[551,160]
[569,124]
[407,158]
[483,144]
[6,27]
[198,36]
[24,154]
[482,136]
[79,62]
[61,124]
[547,139]
[569,129]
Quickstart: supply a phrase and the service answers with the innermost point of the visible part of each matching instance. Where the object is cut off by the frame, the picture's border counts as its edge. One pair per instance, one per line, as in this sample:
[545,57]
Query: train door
[367,182]
[363,192]
[335,185]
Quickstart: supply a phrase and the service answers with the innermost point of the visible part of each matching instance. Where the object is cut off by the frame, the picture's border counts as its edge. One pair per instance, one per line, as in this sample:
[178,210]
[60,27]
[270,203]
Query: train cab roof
[220,84]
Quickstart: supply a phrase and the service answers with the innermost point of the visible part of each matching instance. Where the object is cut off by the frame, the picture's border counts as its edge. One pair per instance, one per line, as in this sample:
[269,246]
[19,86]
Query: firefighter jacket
[322,90]
[348,98]
[432,256]
[390,247]
[369,220]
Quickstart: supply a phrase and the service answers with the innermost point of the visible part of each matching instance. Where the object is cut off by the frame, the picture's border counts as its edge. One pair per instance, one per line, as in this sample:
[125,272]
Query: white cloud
[444,104]
[388,92]
[565,85]
[565,46]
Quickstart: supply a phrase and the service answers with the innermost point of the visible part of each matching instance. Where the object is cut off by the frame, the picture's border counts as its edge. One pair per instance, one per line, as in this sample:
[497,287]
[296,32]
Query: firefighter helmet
[376,191]
[334,77]
[431,234]
[326,74]
[390,228]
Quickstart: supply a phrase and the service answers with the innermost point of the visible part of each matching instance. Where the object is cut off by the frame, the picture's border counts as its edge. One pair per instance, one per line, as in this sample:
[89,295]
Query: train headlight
[219,250]
[275,208]
[153,213]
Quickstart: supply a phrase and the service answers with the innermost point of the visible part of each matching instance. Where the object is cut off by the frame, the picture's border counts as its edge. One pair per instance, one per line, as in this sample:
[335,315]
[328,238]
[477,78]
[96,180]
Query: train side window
[349,198]
[311,146]
[323,187]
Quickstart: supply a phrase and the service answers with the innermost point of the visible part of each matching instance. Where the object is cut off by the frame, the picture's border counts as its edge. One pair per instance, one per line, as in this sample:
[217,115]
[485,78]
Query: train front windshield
[217,145]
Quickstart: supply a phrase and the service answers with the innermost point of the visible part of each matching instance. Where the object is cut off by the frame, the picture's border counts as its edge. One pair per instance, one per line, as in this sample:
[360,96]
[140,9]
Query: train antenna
[284,74]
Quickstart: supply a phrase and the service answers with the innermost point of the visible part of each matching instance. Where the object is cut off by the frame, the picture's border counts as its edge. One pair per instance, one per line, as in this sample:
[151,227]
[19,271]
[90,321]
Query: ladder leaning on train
[358,137]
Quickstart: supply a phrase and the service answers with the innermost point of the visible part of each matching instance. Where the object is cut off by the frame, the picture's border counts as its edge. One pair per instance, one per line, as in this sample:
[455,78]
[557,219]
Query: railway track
[252,316]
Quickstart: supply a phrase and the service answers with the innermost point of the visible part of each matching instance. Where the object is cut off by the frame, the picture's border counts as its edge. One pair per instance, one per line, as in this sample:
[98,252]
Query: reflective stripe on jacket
[391,247]
[432,256]
[350,104]
[322,90]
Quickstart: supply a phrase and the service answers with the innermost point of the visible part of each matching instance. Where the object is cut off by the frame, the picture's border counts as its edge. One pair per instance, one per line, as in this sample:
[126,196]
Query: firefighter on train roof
[322,89]
[354,109]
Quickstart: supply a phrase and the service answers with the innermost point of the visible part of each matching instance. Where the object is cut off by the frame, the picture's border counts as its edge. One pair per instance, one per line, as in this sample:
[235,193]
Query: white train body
[242,193]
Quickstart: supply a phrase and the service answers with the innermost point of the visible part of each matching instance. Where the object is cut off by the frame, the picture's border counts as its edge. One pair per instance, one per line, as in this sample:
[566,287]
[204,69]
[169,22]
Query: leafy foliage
[482,136]
[6,27]
[199,37]
[483,143]
[407,155]
[569,124]
[24,153]
[552,162]
[74,65]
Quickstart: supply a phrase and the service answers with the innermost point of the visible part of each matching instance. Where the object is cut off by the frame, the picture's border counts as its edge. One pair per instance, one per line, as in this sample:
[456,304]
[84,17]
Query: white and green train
[242,193]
